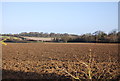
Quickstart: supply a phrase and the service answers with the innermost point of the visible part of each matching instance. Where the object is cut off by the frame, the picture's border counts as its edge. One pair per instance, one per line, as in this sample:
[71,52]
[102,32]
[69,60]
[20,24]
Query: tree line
[96,37]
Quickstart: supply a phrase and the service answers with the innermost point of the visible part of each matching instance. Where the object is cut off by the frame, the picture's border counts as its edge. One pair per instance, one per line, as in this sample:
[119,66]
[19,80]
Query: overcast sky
[59,17]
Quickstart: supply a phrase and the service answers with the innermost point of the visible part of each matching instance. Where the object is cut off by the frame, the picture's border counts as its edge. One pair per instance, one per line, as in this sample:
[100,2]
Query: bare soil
[54,60]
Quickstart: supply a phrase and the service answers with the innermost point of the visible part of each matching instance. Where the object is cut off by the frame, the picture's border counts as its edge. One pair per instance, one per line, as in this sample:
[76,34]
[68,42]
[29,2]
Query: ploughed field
[60,61]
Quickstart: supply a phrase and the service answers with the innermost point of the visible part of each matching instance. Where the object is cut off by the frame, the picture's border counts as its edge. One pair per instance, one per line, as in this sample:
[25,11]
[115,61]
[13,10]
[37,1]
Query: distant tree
[113,36]
[52,34]
[87,37]
[65,39]
[113,32]
[118,35]
[99,36]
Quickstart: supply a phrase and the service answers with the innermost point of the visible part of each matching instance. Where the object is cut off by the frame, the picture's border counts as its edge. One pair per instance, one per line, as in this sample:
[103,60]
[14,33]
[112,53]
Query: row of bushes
[96,37]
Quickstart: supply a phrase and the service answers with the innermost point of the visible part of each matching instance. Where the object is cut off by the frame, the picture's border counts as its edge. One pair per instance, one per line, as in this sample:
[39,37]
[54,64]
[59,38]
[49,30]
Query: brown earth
[60,61]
